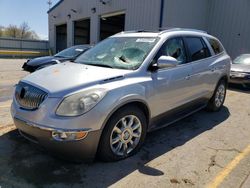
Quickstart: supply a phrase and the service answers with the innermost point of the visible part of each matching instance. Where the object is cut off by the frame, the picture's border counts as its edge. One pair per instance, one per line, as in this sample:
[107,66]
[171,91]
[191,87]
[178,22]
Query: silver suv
[127,85]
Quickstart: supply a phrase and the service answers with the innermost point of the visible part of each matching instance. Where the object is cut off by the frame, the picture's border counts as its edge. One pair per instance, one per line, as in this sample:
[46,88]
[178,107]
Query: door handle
[212,69]
[187,77]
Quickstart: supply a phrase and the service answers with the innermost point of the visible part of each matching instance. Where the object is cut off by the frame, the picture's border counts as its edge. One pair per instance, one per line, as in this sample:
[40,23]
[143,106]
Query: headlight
[238,74]
[80,103]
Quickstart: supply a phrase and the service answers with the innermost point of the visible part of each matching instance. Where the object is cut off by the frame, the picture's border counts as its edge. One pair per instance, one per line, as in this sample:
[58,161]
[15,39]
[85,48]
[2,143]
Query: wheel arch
[139,103]
[136,102]
[224,78]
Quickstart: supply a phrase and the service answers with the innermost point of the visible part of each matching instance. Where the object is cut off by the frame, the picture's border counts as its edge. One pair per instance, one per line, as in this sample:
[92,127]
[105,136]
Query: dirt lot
[205,149]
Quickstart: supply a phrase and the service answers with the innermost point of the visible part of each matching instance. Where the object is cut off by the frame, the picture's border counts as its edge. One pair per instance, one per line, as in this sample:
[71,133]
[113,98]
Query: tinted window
[174,48]
[215,45]
[197,48]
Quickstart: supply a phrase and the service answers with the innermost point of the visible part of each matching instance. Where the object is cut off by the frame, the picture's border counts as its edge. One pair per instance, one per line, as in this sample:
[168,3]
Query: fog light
[68,136]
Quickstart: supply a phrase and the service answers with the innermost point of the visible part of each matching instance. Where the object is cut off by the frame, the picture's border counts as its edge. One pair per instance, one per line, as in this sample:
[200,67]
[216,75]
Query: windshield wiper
[99,65]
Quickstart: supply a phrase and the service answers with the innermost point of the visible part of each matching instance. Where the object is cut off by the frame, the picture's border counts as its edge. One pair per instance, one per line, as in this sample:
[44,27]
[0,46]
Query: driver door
[172,86]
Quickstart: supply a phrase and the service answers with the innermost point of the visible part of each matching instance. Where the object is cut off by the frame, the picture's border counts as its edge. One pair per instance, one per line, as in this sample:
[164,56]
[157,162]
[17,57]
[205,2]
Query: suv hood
[61,79]
[240,68]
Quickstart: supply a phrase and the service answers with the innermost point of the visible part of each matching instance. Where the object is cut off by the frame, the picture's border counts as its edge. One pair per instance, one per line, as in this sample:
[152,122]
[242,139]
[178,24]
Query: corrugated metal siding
[229,21]
[226,19]
[186,14]
[140,14]
[18,44]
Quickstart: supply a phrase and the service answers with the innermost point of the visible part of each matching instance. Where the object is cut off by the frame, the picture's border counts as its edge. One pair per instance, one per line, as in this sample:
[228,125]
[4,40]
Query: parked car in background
[240,71]
[69,54]
[116,92]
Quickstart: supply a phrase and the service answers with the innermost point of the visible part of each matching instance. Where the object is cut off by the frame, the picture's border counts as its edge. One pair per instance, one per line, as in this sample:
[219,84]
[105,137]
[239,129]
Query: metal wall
[23,45]
[140,14]
[186,13]
[229,20]
[226,19]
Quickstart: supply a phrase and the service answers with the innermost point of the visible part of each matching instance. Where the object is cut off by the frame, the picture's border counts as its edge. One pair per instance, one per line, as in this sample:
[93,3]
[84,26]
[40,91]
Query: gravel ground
[189,153]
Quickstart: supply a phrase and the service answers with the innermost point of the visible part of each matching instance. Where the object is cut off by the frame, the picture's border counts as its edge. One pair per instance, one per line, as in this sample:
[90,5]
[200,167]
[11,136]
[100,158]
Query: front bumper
[81,150]
[245,81]
[28,68]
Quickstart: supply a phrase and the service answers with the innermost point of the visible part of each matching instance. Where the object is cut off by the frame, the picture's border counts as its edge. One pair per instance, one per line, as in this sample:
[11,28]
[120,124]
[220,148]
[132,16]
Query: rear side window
[216,46]
[197,48]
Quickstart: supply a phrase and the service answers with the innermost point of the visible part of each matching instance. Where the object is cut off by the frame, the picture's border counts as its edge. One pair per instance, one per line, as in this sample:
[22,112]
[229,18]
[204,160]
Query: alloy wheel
[220,95]
[125,135]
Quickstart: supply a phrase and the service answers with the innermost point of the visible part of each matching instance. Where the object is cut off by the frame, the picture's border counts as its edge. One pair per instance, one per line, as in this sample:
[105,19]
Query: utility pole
[49,2]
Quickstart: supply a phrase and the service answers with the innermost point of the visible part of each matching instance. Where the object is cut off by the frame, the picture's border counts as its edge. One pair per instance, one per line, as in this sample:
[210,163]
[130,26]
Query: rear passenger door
[199,57]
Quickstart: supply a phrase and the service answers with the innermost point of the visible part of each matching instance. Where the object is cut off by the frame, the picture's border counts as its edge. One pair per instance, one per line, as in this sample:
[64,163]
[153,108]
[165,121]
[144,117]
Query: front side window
[197,48]
[217,48]
[174,48]
[119,52]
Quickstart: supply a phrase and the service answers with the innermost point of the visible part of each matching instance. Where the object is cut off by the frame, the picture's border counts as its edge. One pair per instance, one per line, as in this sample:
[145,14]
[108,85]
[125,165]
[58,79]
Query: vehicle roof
[82,46]
[163,33]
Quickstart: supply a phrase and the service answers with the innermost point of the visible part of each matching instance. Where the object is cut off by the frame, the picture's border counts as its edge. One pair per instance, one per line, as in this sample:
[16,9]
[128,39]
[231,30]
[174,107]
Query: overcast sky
[34,12]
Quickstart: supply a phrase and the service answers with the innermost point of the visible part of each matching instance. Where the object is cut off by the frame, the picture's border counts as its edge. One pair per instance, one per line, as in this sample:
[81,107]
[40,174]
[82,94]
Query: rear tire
[218,98]
[123,135]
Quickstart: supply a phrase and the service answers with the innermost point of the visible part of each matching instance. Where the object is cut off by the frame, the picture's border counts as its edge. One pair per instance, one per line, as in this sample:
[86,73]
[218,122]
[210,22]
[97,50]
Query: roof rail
[137,31]
[164,30]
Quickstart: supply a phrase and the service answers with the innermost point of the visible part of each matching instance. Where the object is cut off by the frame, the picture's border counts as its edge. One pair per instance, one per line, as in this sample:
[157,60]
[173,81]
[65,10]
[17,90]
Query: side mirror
[166,62]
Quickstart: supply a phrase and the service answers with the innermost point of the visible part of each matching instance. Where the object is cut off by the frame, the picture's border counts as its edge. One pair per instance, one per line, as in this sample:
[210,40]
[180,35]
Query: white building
[74,22]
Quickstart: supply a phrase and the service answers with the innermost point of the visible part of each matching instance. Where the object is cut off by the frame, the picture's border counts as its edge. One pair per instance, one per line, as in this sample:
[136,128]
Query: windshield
[119,52]
[243,59]
[71,52]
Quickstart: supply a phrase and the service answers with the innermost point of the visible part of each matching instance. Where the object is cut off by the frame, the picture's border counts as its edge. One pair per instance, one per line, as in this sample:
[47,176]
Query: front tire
[123,135]
[217,101]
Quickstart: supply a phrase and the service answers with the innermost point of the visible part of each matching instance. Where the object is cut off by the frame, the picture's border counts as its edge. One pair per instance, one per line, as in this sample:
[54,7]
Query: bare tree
[1,30]
[12,31]
[24,30]
[34,35]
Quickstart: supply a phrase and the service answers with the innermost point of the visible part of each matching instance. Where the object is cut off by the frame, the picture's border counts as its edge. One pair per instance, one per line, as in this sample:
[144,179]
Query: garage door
[61,37]
[82,32]
[110,25]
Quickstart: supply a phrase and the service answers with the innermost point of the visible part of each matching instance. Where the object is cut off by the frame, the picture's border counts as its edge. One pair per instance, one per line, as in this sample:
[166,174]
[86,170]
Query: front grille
[29,97]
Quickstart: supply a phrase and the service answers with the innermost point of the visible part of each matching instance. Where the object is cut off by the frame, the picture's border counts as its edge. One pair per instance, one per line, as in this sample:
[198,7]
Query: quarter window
[215,45]
[197,48]
[174,48]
